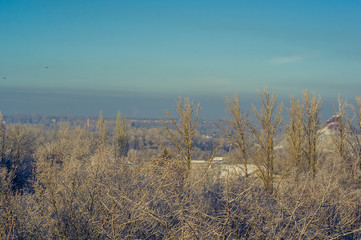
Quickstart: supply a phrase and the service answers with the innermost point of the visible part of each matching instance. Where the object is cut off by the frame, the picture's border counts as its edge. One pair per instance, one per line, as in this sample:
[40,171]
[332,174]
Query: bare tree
[295,132]
[181,131]
[237,131]
[102,130]
[120,137]
[355,142]
[3,139]
[340,139]
[269,120]
[311,126]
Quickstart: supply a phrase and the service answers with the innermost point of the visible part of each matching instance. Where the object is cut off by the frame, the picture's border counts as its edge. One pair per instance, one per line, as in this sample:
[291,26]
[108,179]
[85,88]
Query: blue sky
[163,49]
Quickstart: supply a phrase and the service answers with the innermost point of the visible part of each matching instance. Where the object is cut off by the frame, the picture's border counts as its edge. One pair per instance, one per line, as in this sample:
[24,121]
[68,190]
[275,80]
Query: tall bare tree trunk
[3,140]
[311,127]
[341,134]
[120,137]
[102,130]
[355,142]
[264,133]
[181,131]
[295,132]
[237,130]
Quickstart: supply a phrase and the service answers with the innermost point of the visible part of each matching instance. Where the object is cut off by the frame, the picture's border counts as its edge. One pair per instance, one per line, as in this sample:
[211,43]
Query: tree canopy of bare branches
[182,129]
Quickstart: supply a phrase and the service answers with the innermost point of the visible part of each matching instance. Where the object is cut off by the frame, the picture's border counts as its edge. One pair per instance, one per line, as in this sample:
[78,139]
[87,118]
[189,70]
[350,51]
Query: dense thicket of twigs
[66,182]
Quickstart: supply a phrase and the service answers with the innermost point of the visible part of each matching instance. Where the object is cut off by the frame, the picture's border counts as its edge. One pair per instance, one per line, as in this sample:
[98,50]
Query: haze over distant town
[79,57]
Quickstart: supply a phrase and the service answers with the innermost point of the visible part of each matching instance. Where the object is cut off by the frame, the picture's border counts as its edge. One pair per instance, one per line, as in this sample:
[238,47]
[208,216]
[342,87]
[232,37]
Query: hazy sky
[162,49]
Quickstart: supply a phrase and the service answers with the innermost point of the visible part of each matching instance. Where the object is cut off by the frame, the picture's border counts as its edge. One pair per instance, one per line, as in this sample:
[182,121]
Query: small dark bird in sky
[46,67]
[4,77]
